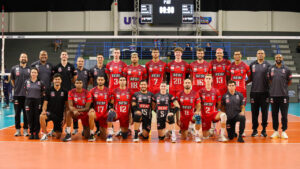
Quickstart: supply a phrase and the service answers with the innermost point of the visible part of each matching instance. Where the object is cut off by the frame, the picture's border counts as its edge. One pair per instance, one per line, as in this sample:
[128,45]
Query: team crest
[150,68]
[172,68]
[227,100]
[69,69]
[237,97]
[62,94]
[47,66]
[59,69]
[129,72]
[283,70]
[52,94]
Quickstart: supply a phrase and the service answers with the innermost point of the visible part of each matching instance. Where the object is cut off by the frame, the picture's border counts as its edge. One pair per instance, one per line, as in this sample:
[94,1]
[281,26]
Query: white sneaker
[197,139]
[275,135]
[18,133]
[173,138]
[212,132]
[44,137]
[222,139]
[75,131]
[136,140]
[284,135]
[25,133]
[109,138]
[50,134]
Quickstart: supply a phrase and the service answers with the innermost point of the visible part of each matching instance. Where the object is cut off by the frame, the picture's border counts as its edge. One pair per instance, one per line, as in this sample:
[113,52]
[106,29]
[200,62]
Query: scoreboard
[167,12]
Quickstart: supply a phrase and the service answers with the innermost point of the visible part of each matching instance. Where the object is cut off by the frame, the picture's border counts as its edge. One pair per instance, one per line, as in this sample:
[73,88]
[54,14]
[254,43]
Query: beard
[278,62]
[187,87]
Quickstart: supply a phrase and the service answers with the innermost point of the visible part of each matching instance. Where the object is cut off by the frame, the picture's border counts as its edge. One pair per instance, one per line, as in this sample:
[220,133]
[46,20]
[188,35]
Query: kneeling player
[189,101]
[142,111]
[101,104]
[121,99]
[54,108]
[164,113]
[210,104]
[79,101]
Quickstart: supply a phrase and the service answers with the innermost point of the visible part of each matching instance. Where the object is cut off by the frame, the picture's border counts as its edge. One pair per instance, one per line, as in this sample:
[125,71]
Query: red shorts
[185,121]
[84,117]
[102,119]
[206,121]
[123,119]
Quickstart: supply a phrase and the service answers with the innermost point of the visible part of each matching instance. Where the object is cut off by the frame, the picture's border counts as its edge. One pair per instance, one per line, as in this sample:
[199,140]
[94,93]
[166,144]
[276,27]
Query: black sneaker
[31,137]
[235,134]
[263,133]
[254,133]
[67,138]
[92,137]
[36,137]
[240,139]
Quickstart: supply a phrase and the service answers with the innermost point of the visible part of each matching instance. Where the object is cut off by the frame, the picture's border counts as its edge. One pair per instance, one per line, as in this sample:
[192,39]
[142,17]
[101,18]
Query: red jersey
[79,99]
[218,71]
[114,70]
[122,100]
[100,99]
[134,74]
[187,102]
[178,71]
[209,100]
[238,74]
[198,72]
[156,72]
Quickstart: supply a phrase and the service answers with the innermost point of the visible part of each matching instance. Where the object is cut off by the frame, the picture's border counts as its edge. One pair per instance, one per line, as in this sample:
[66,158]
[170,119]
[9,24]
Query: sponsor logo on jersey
[283,70]
[144,106]
[69,69]
[162,107]
[62,94]
[52,94]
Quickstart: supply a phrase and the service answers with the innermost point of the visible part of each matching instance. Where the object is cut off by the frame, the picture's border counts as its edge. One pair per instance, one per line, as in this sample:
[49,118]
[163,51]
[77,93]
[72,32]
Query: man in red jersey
[189,110]
[237,72]
[198,70]
[218,69]
[79,100]
[134,74]
[101,104]
[156,72]
[210,104]
[178,71]
[114,70]
[121,99]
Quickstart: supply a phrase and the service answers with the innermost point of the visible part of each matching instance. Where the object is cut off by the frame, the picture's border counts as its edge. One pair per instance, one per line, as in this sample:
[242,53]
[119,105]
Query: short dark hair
[200,50]
[56,75]
[100,76]
[230,82]
[34,68]
[117,49]
[154,49]
[79,79]
[143,81]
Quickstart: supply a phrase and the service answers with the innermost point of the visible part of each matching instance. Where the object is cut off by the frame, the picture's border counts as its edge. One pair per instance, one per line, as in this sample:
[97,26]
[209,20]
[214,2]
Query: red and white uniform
[187,104]
[122,101]
[238,74]
[101,99]
[114,71]
[218,71]
[156,73]
[209,100]
[134,74]
[178,71]
[198,72]
[79,102]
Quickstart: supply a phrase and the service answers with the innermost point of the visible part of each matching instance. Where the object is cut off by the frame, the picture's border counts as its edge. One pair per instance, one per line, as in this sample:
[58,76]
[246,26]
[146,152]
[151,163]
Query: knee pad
[161,137]
[137,117]
[171,119]
[124,135]
[111,116]
[197,119]
[223,118]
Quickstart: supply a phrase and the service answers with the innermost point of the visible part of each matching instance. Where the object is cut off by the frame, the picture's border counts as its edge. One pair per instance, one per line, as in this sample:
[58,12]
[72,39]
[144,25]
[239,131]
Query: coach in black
[67,71]
[20,73]
[280,78]
[234,107]
[259,95]
[45,68]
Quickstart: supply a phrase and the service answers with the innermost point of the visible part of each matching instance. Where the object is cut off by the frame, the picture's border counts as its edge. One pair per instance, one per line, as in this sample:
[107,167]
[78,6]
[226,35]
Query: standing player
[67,71]
[142,111]
[54,108]
[198,70]
[164,113]
[79,101]
[134,74]
[121,99]
[189,110]
[237,71]
[178,70]
[156,72]
[218,69]
[114,69]
[20,73]
[45,68]
[210,104]
[101,101]
[259,94]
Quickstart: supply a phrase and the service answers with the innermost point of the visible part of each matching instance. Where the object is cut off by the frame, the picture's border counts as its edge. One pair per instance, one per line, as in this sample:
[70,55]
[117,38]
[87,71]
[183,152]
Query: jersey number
[177,81]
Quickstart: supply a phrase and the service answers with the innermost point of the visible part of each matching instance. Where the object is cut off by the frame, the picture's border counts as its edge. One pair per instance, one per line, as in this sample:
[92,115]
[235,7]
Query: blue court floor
[7,117]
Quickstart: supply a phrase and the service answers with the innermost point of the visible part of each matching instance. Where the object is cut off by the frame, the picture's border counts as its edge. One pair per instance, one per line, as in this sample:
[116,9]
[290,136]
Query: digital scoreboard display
[167,12]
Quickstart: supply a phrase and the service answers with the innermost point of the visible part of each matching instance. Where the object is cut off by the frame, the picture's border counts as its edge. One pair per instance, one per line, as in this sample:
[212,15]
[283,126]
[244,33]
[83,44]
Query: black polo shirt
[45,72]
[259,76]
[19,75]
[34,90]
[279,78]
[56,100]
[95,72]
[232,104]
[67,73]
[84,75]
